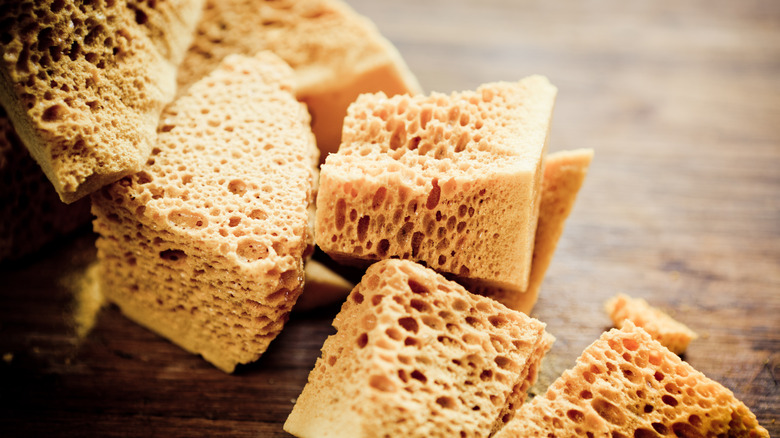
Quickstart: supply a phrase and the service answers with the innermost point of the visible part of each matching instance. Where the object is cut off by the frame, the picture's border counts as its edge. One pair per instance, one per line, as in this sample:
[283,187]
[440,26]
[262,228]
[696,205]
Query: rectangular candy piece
[84,83]
[628,385]
[564,173]
[453,181]
[416,355]
[205,246]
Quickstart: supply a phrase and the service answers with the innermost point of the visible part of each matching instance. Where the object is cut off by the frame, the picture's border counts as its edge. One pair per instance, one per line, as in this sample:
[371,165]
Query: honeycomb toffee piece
[564,173]
[451,181]
[322,287]
[84,82]
[628,385]
[663,328]
[336,53]
[31,213]
[416,355]
[205,246]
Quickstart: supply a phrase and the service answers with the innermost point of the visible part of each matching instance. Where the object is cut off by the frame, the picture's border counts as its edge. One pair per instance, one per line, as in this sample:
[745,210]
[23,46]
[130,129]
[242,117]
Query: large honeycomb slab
[205,245]
[453,181]
[416,355]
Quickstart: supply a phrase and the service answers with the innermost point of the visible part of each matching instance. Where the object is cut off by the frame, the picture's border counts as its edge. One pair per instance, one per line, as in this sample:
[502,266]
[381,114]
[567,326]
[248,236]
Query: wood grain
[680,100]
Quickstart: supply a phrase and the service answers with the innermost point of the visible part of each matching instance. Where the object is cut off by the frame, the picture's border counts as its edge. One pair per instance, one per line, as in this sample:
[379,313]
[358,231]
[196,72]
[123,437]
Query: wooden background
[680,100]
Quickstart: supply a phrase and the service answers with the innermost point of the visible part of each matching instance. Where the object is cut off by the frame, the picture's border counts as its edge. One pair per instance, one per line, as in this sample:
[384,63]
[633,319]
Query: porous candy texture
[564,173]
[416,355]
[672,334]
[84,82]
[205,245]
[451,181]
[31,213]
[336,53]
[628,385]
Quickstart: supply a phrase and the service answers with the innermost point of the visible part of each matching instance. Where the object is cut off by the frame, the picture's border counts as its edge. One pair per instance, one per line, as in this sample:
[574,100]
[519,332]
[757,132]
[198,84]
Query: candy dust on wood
[87,298]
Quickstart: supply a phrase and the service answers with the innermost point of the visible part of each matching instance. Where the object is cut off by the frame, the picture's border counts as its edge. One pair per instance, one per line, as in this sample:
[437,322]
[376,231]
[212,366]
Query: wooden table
[680,100]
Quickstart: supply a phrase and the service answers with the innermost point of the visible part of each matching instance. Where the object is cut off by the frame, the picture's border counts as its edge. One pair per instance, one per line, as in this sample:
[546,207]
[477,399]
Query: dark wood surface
[680,100]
